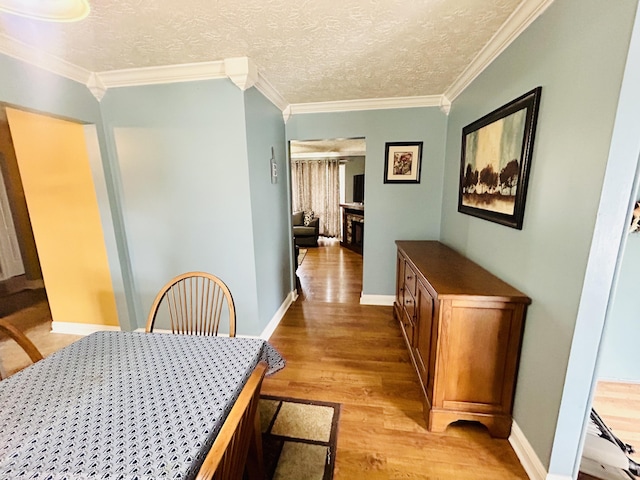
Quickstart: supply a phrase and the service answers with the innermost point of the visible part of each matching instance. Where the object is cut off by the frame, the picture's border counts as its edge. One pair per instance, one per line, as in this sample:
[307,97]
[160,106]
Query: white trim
[80,328]
[186,72]
[96,87]
[242,71]
[523,16]
[525,453]
[278,316]
[367,104]
[286,113]
[26,53]
[321,155]
[445,104]
[266,89]
[553,476]
[384,300]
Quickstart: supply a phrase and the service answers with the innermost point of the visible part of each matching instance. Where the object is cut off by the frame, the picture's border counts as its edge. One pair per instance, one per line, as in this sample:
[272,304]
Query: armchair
[305,235]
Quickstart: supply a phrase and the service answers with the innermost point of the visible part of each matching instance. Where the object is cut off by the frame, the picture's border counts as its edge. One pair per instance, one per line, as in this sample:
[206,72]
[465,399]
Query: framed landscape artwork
[496,159]
[402,162]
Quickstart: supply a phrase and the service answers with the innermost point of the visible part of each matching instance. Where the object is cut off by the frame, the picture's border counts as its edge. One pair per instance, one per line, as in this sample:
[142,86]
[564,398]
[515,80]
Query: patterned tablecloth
[123,405]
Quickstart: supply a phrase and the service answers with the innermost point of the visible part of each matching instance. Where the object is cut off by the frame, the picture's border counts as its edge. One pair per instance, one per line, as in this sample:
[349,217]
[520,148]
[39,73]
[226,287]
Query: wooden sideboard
[463,327]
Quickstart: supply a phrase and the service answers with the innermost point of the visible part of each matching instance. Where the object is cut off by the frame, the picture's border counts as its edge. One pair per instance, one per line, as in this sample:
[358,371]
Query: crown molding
[242,71]
[265,87]
[186,72]
[28,54]
[322,155]
[366,104]
[523,16]
[96,86]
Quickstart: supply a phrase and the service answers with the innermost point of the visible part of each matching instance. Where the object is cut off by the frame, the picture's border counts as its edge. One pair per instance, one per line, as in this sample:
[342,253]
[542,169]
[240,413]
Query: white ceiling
[309,51]
[337,147]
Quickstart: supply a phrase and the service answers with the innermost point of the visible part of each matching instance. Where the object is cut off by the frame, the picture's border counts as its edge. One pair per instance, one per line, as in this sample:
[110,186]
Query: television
[358,188]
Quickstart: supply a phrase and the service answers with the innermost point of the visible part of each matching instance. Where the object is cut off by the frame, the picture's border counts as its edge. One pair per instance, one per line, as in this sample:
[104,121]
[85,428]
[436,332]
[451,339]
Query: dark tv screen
[358,188]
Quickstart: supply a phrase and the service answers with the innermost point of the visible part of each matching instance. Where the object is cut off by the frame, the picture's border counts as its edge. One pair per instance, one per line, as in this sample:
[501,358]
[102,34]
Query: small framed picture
[402,162]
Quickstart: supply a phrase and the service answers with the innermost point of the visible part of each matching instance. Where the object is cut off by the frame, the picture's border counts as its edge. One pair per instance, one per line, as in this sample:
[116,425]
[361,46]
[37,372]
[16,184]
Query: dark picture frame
[402,162]
[496,160]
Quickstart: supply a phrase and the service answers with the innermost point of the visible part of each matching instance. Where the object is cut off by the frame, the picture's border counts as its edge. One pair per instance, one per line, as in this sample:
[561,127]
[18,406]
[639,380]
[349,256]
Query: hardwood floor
[340,351]
[618,404]
[35,322]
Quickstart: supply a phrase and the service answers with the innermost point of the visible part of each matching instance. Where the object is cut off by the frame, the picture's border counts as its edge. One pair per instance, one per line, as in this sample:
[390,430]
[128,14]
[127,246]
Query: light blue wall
[182,158]
[269,204]
[392,211]
[25,86]
[620,355]
[576,52]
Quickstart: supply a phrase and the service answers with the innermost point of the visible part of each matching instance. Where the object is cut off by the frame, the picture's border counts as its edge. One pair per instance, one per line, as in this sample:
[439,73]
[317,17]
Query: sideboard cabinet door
[425,335]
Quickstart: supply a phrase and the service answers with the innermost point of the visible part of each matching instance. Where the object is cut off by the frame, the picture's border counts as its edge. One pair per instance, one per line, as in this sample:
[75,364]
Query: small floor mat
[298,438]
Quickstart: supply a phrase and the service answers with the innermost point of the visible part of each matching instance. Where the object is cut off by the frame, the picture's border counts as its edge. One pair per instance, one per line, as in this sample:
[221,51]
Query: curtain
[315,185]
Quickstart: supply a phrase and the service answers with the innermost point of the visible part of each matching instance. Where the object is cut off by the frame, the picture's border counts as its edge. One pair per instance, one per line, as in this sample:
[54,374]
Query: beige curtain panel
[315,185]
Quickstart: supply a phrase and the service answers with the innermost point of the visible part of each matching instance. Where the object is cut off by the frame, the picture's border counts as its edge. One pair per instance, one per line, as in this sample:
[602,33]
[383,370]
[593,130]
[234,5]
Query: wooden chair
[238,445]
[194,302]
[21,339]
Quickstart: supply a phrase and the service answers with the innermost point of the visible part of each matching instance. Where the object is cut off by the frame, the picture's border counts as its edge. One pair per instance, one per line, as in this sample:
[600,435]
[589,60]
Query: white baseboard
[527,456]
[271,326]
[553,476]
[384,300]
[71,328]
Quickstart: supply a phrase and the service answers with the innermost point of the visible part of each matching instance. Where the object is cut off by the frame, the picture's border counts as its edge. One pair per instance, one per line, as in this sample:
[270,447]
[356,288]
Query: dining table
[124,405]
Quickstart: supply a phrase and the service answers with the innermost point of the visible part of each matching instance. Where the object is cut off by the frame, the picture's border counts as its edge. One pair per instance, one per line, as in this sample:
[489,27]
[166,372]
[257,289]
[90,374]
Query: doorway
[64,245]
[327,178]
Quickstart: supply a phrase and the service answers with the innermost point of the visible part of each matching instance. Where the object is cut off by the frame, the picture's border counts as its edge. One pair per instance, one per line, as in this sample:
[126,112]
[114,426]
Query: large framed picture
[402,162]
[496,159]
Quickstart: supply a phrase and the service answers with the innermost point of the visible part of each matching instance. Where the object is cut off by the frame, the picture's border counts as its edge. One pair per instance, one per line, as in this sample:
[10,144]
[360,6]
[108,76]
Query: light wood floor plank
[618,404]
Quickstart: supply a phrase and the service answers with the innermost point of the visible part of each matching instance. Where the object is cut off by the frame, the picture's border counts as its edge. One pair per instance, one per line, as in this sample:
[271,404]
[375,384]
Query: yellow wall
[61,198]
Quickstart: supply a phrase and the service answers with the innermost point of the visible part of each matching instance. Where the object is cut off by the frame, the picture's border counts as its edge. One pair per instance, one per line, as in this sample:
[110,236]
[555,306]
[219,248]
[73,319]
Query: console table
[463,328]
[352,226]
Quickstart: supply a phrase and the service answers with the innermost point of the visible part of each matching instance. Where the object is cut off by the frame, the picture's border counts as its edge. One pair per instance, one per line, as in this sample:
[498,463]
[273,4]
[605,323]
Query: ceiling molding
[26,53]
[242,71]
[322,155]
[96,87]
[526,13]
[186,72]
[266,89]
[366,104]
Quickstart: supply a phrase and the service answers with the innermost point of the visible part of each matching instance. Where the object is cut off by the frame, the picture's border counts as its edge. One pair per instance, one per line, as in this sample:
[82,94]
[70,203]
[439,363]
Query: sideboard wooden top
[450,273]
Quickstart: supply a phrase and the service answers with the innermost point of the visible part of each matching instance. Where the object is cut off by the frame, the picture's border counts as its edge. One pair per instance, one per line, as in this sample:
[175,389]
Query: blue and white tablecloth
[122,405]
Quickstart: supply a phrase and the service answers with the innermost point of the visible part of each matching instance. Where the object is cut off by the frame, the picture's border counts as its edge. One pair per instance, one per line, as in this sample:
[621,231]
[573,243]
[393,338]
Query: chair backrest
[21,339]
[194,302]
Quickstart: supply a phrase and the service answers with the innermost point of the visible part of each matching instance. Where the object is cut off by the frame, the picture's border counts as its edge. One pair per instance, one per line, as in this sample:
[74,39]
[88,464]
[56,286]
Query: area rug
[298,438]
[301,254]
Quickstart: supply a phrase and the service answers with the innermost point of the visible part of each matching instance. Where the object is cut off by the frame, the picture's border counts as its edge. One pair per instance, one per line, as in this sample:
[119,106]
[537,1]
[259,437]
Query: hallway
[340,351]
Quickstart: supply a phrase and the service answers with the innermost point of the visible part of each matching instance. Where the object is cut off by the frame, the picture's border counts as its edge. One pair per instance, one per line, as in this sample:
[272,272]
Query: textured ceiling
[342,147]
[310,51]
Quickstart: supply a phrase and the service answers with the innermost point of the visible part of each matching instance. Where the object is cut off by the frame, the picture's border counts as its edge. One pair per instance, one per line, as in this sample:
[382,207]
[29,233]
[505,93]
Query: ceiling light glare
[47,10]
